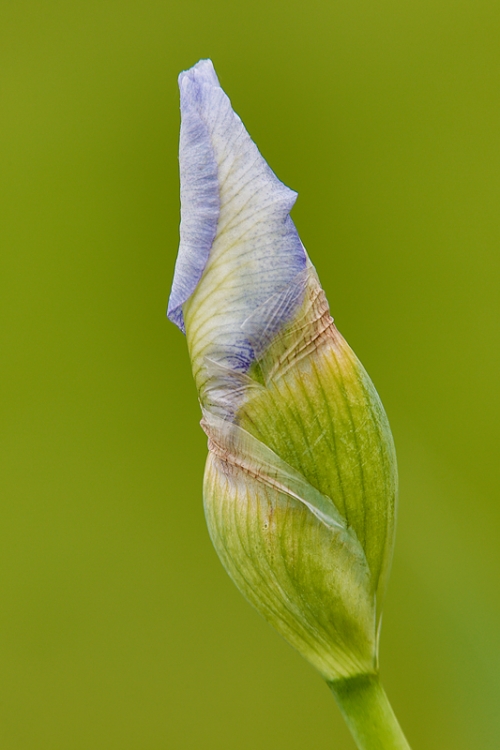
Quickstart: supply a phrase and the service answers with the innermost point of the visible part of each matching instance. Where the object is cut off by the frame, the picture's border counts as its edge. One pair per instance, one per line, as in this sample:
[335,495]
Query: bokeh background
[118,626]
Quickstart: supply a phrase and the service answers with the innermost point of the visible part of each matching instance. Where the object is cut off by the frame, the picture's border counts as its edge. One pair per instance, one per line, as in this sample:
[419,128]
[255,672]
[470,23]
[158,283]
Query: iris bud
[300,483]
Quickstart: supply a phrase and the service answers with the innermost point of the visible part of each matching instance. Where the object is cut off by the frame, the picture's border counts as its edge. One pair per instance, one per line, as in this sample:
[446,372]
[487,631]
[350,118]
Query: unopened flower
[300,481]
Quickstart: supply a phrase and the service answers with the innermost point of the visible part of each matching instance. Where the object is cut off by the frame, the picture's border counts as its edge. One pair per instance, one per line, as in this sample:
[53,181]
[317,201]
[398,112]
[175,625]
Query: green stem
[368,713]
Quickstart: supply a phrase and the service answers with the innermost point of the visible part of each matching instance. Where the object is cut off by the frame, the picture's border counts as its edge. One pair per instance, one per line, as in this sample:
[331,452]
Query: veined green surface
[300,487]
[321,413]
[309,580]
[118,627]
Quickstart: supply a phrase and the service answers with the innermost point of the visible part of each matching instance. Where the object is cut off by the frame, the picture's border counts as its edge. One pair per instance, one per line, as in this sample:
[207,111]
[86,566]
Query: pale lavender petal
[239,246]
[199,188]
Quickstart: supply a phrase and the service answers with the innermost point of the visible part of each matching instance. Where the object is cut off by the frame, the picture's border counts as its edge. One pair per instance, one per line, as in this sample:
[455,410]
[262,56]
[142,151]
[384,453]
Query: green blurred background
[118,626]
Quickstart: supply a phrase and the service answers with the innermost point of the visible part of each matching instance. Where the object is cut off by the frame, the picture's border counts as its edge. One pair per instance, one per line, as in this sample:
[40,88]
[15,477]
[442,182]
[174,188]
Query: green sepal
[289,552]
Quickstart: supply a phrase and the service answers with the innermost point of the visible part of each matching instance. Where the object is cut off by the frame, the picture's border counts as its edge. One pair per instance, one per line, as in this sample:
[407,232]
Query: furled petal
[238,244]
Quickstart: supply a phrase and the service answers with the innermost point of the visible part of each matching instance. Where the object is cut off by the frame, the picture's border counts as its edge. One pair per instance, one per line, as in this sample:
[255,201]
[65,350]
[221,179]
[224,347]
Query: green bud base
[368,713]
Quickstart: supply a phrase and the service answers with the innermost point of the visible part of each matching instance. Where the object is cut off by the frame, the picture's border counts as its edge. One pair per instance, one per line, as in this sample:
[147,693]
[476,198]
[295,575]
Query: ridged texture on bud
[300,482]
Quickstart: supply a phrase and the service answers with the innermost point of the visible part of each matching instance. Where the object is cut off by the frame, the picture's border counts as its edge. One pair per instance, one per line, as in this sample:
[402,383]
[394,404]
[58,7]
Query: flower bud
[300,482]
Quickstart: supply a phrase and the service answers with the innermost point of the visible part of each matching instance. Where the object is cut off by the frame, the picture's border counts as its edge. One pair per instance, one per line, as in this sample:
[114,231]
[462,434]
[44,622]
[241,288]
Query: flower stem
[368,713]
